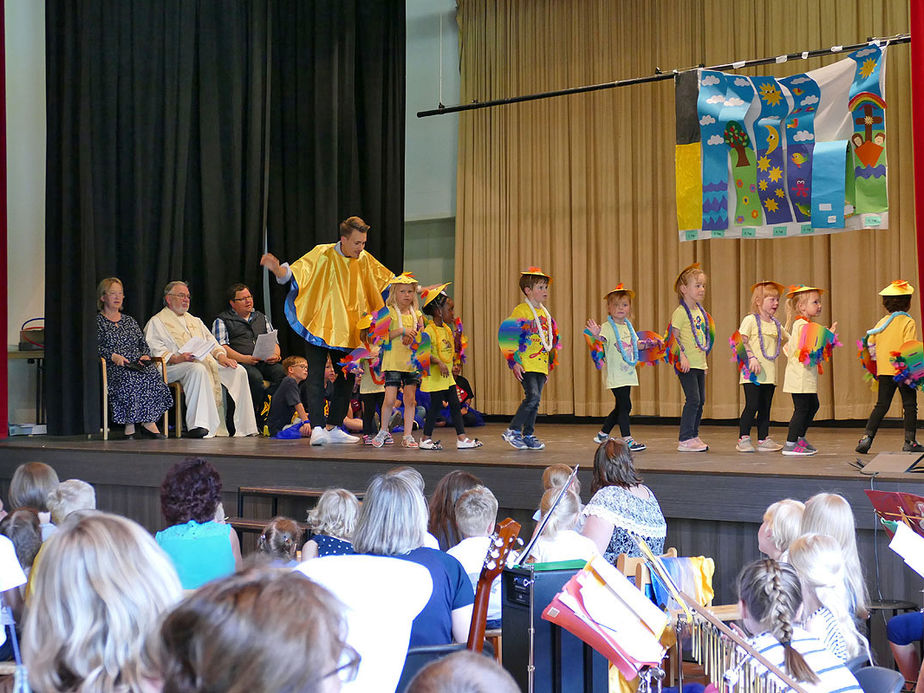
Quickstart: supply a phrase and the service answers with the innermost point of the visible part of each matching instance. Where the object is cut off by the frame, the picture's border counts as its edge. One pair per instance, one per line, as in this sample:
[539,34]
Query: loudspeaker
[563,663]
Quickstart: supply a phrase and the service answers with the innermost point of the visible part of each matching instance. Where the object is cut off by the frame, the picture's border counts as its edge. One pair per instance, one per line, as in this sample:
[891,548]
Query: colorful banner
[760,157]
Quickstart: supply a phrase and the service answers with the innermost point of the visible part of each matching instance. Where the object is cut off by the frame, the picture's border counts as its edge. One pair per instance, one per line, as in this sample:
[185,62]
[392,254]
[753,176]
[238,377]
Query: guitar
[502,541]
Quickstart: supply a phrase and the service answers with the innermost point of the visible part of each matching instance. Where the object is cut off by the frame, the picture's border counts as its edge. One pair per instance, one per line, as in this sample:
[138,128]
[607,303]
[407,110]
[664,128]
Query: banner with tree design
[761,157]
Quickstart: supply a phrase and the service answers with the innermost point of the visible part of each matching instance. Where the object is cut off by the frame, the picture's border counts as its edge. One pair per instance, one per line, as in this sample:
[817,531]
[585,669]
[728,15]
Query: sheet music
[199,347]
[266,345]
[909,546]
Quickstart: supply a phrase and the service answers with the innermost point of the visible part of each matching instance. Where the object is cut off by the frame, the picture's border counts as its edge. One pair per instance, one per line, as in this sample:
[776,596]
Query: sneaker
[866,442]
[702,442]
[428,444]
[768,445]
[318,435]
[409,442]
[514,438]
[691,445]
[379,439]
[807,445]
[634,445]
[468,444]
[389,440]
[533,443]
[912,446]
[745,444]
[367,439]
[797,449]
[338,435]
[601,437]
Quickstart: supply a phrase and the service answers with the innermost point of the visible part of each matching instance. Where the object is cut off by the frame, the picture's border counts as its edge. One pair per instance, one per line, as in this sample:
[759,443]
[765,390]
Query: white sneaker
[691,445]
[601,438]
[318,435]
[468,444]
[745,444]
[768,445]
[338,435]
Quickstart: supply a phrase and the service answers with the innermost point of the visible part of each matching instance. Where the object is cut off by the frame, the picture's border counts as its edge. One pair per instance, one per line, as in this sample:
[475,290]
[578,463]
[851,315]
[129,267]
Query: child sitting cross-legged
[288,401]
[476,514]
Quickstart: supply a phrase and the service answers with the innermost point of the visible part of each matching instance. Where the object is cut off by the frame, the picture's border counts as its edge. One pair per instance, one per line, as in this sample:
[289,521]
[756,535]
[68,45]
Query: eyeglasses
[349,665]
[243,298]
[301,365]
[186,296]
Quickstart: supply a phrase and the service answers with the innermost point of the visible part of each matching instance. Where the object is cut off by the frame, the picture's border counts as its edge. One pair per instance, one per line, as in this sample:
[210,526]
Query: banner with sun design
[765,157]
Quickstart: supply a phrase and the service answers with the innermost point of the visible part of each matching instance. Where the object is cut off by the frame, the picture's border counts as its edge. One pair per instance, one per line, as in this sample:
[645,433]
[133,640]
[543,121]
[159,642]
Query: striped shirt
[835,677]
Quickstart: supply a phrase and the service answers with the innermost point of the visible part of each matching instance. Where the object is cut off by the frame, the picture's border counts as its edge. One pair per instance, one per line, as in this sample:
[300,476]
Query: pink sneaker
[691,445]
[702,442]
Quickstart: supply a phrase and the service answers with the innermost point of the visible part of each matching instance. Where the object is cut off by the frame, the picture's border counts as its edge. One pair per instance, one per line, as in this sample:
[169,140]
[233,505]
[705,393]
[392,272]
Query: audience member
[279,540]
[23,529]
[203,373]
[560,541]
[829,513]
[463,672]
[264,630]
[476,517]
[200,547]
[782,524]
[622,507]
[100,593]
[392,522]
[332,520]
[442,523]
[416,478]
[68,496]
[237,329]
[29,488]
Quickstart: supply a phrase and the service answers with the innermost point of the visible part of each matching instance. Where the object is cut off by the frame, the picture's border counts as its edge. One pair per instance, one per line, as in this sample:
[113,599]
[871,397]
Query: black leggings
[887,386]
[436,405]
[804,408]
[371,401]
[620,413]
[757,401]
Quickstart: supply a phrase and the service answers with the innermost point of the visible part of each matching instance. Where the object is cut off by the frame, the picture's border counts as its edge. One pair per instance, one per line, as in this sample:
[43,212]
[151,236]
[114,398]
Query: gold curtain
[583,186]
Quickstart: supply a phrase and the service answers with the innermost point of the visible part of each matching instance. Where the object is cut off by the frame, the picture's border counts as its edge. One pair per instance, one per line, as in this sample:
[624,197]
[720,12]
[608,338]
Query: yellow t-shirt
[798,379]
[680,321]
[442,351]
[902,329]
[398,356]
[367,385]
[535,359]
[748,328]
[618,372]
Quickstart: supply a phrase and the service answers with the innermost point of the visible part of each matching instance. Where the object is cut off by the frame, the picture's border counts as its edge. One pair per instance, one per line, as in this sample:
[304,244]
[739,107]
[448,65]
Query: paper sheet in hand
[265,346]
[909,546]
[198,347]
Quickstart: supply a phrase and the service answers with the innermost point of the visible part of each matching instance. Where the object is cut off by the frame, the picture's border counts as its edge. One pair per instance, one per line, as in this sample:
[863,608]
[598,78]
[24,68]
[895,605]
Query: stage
[713,501]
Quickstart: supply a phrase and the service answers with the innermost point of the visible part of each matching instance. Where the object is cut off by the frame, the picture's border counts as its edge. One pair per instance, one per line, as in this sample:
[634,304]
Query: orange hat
[899,287]
[780,289]
[536,271]
[620,287]
[801,289]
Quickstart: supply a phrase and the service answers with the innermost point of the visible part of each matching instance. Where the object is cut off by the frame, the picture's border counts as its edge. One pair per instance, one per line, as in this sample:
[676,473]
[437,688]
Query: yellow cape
[329,293]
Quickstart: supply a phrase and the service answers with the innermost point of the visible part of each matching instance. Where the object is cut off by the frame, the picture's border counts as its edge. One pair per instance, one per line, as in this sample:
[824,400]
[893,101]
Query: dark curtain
[337,129]
[155,158]
[164,120]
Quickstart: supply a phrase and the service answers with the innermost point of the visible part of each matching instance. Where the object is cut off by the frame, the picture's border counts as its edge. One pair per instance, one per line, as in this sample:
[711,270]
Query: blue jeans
[525,418]
[693,383]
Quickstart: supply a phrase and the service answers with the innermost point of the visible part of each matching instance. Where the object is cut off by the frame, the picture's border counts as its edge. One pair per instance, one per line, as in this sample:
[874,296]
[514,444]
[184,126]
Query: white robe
[202,409]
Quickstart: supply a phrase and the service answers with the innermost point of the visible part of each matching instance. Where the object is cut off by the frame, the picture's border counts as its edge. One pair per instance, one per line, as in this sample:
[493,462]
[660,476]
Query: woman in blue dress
[137,391]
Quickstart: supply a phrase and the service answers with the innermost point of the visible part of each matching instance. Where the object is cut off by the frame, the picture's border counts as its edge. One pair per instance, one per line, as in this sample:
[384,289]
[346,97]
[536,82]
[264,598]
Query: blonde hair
[795,304]
[830,513]
[100,591]
[784,519]
[393,517]
[30,486]
[761,291]
[392,300]
[475,509]
[565,515]
[463,672]
[556,476]
[686,275]
[818,560]
[280,539]
[335,514]
[103,287]
[69,496]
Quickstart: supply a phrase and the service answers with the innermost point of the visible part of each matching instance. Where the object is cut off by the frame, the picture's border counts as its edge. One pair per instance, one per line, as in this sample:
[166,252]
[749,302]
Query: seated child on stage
[332,520]
[620,349]
[761,338]
[691,335]
[438,382]
[559,540]
[803,305]
[398,352]
[529,341]
[476,516]
[287,399]
[887,337]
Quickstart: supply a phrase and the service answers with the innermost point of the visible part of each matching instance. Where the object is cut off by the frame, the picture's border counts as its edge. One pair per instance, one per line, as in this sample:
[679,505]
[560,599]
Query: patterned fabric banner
[760,157]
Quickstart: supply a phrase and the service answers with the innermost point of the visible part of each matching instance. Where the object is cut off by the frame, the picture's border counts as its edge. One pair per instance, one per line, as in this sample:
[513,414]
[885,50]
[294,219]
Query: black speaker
[563,663]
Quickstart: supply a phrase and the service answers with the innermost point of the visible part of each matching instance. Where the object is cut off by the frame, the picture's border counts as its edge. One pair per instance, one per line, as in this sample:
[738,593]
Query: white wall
[25,160]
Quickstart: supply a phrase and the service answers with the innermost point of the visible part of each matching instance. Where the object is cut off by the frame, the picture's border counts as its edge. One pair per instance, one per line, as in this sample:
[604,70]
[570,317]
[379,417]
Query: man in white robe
[167,333]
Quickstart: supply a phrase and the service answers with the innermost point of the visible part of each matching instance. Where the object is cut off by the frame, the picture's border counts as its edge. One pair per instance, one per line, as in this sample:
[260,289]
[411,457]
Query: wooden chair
[102,361]
[177,390]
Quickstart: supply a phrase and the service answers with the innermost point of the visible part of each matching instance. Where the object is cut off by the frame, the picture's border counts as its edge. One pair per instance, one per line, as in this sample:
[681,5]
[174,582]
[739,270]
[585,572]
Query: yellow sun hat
[899,287]
[536,272]
[620,287]
[365,322]
[801,289]
[404,278]
[780,289]
[431,292]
